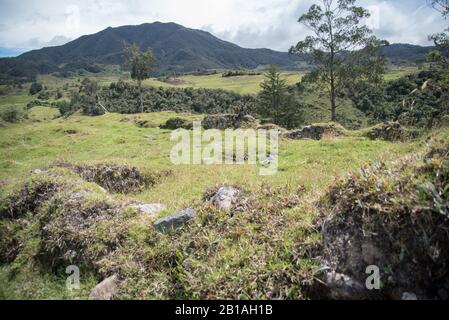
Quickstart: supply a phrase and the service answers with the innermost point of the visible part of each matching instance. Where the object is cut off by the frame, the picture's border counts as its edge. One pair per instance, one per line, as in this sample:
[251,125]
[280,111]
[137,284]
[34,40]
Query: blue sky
[33,24]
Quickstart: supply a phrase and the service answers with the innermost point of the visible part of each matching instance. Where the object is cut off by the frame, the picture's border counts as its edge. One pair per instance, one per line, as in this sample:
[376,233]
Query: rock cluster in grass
[316,131]
[391,131]
[177,123]
[395,218]
[118,178]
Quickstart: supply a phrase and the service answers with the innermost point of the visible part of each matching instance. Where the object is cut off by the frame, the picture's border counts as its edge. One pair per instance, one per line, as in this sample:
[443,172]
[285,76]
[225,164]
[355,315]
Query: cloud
[249,23]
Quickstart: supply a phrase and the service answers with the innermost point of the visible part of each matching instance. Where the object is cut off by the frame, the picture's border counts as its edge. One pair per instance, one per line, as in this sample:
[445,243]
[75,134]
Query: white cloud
[249,23]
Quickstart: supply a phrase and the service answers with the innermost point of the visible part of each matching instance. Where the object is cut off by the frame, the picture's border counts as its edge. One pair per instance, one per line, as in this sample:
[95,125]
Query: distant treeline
[420,100]
[239,72]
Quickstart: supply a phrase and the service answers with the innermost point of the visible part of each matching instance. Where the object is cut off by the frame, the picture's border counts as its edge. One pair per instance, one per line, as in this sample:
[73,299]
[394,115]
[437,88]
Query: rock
[225,198]
[174,221]
[105,290]
[315,131]
[36,171]
[409,296]
[343,287]
[391,131]
[151,208]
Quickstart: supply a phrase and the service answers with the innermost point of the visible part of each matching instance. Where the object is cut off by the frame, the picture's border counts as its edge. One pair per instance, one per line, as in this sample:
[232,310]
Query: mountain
[177,48]
[406,53]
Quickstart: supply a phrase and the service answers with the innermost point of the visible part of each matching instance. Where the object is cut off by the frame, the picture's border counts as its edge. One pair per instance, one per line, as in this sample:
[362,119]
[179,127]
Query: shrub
[13,114]
[35,88]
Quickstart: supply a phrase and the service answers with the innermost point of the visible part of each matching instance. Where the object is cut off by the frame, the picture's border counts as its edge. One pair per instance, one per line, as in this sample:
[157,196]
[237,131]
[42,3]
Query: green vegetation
[84,142]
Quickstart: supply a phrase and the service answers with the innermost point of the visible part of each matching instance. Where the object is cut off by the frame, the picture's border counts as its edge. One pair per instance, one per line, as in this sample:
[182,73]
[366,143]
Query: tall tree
[338,36]
[441,5]
[273,92]
[140,65]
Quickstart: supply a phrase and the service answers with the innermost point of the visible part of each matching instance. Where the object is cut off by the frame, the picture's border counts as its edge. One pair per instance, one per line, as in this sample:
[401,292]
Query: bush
[13,114]
[65,108]
[177,123]
[35,88]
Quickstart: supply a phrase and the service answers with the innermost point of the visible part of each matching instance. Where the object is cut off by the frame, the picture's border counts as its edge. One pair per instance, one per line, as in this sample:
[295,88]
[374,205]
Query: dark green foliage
[239,72]
[140,65]
[65,107]
[87,99]
[44,95]
[13,114]
[177,123]
[35,88]
[123,97]
[334,47]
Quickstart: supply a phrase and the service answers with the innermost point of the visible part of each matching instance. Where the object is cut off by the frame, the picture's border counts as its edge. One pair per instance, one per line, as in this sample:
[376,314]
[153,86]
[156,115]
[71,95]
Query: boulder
[225,198]
[105,290]
[151,209]
[343,287]
[174,221]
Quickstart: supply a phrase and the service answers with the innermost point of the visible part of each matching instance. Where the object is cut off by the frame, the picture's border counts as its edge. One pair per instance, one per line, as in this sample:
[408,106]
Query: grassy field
[113,138]
[239,84]
[39,142]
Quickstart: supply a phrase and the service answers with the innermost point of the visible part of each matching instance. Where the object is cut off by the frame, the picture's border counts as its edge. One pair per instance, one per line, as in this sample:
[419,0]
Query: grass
[239,84]
[312,164]
[242,255]
[30,145]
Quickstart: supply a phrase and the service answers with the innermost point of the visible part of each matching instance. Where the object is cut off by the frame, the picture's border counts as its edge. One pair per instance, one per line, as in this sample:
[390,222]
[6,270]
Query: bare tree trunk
[333,101]
[139,84]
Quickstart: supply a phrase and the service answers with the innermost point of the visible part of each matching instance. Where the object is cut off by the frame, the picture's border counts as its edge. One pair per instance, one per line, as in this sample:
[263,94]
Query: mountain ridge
[178,49]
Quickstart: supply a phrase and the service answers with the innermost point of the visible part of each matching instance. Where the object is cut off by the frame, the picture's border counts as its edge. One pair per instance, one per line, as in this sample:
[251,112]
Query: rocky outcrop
[316,131]
[391,131]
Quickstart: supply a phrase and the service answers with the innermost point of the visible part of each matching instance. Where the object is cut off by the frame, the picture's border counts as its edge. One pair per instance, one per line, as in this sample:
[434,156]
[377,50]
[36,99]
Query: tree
[273,92]
[441,5]
[339,47]
[140,64]
[441,39]
[35,88]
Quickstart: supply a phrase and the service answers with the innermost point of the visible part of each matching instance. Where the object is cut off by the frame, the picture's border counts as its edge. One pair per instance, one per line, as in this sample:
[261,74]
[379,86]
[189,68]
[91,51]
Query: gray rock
[343,287]
[409,296]
[36,171]
[105,290]
[174,221]
[225,198]
[150,208]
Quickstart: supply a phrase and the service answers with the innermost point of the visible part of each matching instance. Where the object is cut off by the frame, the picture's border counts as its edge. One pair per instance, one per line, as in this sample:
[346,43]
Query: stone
[36,171]
[174,221]
[150,208]
[225,198]
[105,290]
[409,296]
[343,287]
